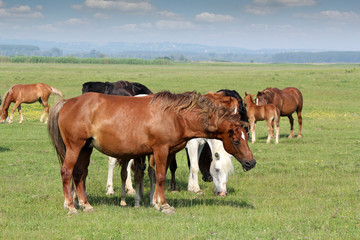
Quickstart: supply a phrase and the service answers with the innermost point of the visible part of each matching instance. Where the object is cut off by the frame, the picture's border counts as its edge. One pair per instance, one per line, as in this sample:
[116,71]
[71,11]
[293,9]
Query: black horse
[121,88]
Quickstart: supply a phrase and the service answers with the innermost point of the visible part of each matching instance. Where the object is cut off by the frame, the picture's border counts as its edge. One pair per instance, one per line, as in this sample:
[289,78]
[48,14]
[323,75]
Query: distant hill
[173,51]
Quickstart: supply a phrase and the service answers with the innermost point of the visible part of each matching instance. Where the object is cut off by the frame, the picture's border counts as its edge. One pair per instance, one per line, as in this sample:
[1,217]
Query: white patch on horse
[243,136]
[257,101]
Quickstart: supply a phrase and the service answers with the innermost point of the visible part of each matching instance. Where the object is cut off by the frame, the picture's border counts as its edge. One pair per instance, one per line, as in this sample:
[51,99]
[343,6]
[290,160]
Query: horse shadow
[4,149]
[181,202]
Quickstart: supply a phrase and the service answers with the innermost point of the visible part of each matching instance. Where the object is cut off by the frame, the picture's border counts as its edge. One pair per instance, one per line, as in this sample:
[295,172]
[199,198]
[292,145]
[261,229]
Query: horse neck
[249,103]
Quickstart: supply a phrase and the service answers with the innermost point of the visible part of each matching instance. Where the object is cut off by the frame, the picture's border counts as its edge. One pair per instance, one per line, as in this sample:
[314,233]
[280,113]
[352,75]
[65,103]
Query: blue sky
[252,24]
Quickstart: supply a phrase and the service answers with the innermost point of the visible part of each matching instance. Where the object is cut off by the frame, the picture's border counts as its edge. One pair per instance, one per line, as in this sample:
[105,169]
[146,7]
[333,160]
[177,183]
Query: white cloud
[128,6]
[101,16]
[74,21]
[171,25]
[170,15]
[19,11]
[77,6]
[47,28]
[269,7]
[330,15]
[134,27]
[285,3]
[211,17]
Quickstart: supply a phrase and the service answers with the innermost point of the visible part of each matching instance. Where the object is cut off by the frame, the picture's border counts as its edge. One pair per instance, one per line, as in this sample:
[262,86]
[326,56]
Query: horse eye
[236,142]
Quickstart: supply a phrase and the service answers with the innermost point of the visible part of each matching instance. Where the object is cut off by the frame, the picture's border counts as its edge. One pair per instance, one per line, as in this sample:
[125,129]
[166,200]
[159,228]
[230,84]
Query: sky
[250,24]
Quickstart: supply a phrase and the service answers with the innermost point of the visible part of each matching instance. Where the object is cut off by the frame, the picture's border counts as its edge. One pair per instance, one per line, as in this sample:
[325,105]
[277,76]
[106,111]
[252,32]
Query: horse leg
[66,174]
[173,167]
[152,178]
[291,120]
[253,130]
[109,183]
[161,162]
[79,175]
[193,153]
[128,184]
[139,180]
[270,130]
[20,113]
[16,105]
[46,111]
[277,129]
[300,123]
[124,164]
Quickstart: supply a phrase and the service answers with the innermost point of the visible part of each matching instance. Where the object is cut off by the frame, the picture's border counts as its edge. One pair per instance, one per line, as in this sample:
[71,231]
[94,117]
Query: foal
[266,112]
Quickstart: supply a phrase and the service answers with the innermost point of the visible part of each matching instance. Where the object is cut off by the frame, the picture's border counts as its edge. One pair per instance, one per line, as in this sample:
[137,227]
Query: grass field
[305,188]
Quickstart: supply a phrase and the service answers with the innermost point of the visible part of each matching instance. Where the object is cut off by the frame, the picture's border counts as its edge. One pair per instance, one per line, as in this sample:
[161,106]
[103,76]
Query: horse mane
[193,100]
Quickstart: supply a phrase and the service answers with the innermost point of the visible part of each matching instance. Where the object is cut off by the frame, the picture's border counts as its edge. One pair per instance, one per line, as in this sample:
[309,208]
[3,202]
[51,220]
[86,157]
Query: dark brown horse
[128,127]
[27,93]
[266,112]
[287,100]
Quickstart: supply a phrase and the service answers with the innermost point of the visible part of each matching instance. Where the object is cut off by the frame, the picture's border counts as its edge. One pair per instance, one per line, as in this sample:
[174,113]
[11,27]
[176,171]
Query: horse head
[235,141]
[264,97]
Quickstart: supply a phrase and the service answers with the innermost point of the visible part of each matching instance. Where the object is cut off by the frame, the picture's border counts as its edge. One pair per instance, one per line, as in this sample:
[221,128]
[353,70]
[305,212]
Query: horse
[241,107]
[287,100]
[202,152]
[210,157]
[27,93]
[121,88]
[267,112]
[128,127]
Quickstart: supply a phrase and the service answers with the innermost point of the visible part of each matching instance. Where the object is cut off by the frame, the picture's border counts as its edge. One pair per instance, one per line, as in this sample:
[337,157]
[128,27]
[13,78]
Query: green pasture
[306,188]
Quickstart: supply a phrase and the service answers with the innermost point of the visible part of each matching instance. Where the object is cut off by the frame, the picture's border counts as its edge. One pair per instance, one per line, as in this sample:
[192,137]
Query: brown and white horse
[266,112]
[27,93]
[287,100]
[128,127]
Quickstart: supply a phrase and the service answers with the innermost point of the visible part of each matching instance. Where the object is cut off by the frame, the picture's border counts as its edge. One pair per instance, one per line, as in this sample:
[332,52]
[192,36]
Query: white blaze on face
[257,101]
[243,136]
[235,111]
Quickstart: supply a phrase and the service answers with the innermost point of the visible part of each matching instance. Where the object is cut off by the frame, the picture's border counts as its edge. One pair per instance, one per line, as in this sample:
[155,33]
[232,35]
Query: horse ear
[246,93]
[259,93]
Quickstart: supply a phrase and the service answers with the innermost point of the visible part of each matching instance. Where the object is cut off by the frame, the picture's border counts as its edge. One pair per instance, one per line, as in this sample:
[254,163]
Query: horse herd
[128,122]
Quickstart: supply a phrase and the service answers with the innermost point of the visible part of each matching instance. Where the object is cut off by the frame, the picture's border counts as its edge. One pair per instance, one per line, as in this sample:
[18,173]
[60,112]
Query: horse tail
[277,117]
[6,102]
[55,91]
[54,131]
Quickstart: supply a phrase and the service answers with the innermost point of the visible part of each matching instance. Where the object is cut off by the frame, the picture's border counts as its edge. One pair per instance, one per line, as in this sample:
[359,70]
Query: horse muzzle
[248,165]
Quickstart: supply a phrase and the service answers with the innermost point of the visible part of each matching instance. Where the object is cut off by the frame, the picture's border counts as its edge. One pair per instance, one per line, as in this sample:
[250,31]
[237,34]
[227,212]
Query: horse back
[288,100]
[118,126]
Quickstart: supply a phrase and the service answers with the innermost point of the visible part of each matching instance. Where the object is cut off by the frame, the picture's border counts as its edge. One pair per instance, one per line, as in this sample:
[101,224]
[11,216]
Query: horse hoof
[299,136]
[110,192]
[167,209]
[72,211]
[137,206]
[123,203]
[131,191]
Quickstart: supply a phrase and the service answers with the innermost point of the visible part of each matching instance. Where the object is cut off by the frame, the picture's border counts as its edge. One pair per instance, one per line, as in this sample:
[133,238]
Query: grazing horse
[266,112]
[215,164]
[27,93]
[128,127]
[287,100]
[201,157]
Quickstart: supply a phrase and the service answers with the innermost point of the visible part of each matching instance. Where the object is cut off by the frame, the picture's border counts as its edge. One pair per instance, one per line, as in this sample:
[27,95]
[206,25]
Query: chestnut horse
[27,93]
[287,100]
[266,112]
[128,127]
